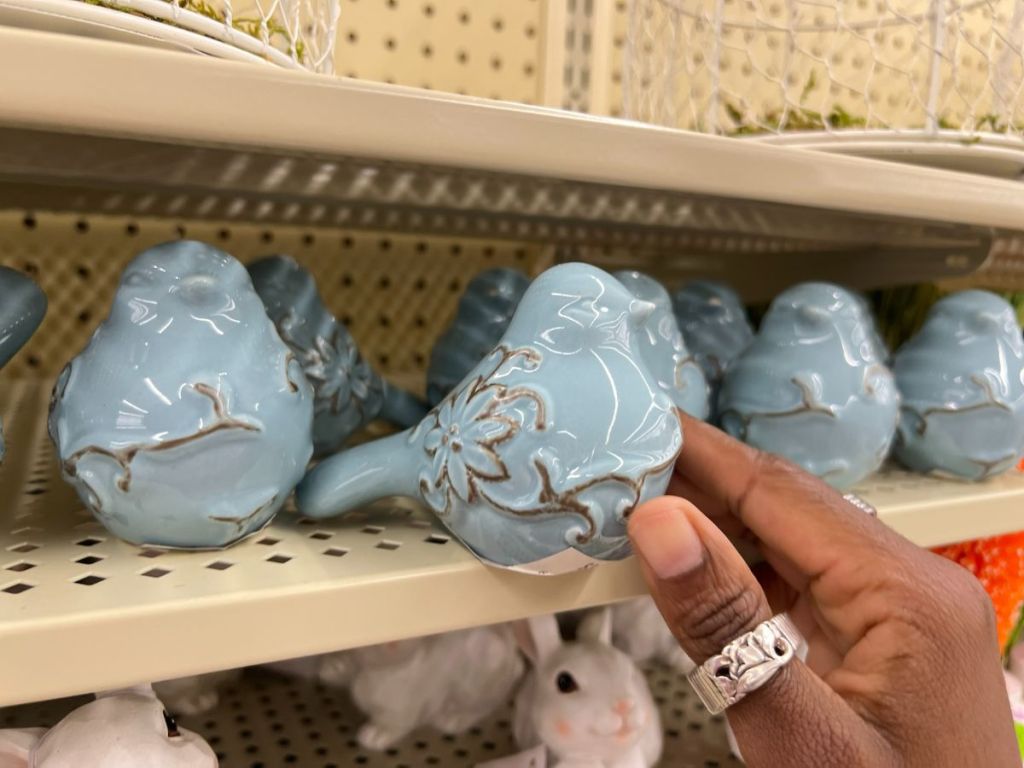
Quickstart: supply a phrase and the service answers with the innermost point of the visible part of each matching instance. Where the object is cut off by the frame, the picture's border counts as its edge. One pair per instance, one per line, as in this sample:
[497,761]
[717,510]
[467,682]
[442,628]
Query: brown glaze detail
[990,402]
[989,468]
[289,357]
[807,405]
[125,456]
[678,373]
[56,396]
[549,501]
[239,522]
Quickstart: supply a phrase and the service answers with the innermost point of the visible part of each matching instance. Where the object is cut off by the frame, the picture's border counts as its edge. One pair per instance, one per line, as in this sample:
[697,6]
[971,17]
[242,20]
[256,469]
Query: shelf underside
[299,587]
[190,138]
[270,720]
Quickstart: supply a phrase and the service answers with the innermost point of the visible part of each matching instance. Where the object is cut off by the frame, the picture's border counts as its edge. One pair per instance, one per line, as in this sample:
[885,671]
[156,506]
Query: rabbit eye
[566,683]
[172,726]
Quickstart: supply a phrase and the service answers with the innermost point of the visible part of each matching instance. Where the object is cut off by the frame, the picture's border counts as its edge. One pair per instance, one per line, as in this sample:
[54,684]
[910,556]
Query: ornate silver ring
[860,504]
[745,664]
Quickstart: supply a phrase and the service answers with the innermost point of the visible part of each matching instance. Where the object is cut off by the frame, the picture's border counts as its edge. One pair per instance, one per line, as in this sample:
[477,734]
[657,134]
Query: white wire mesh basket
[921,67]
[288,33]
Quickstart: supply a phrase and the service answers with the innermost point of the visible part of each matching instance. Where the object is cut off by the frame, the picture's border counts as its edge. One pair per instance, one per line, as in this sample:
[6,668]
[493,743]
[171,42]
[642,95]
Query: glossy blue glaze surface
[677,371]
[715,327]
[186,421]
[962,382]
[484,312]
[22,308]
[811,387]
[545,446]
[348,394]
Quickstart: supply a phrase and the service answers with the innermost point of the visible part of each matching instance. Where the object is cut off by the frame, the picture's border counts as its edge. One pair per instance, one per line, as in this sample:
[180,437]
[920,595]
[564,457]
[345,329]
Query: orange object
[999,565]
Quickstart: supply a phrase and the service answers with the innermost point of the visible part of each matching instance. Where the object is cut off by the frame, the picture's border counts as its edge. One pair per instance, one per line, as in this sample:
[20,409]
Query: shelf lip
[83,86]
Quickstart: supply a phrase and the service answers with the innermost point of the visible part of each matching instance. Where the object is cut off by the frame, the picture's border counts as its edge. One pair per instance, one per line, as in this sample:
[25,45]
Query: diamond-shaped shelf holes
[89,559]
[90,580]
[419,523]
[220,565]
[156,573]
[335,552]
[279,558]
[437,538]
[321,535]
[373,529]
[24,547]
[90,541]
[268,541]
[151,553]
[19,567]
[307,521]
[17,588]
[388,544]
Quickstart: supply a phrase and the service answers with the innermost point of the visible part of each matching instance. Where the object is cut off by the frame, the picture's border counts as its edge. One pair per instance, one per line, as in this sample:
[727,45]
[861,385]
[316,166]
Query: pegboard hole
[82,226]
[437,538]
[131,229]
[321,535]
[90,580]
[29,222]
[23,547]
[280,558]
[21,566]
[220,565]
[268,541]
[17,588]
[89,559]
[388,545]
[373,529]
[335,552]
[155,573]
[151,553]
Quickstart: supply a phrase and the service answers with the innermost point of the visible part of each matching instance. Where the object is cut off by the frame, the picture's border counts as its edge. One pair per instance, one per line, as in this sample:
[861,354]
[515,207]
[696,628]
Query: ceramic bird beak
[639,311]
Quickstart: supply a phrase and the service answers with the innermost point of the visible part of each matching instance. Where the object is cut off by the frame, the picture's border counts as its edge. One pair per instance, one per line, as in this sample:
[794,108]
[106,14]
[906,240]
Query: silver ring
[860,504]
[745,664]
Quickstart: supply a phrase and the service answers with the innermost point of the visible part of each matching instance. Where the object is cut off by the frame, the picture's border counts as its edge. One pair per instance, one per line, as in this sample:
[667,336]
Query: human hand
[903,667]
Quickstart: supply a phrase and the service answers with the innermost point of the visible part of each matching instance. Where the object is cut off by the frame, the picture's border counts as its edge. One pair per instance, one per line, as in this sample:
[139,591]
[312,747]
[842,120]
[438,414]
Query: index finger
[792,512]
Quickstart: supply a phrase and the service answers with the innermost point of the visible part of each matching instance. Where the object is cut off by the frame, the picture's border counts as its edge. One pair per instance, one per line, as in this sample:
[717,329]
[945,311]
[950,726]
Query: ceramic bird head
[484,312]
[714,324]
[538,456]
[121,729]
[677,371]
[819,313]
[962,379]
[186,421]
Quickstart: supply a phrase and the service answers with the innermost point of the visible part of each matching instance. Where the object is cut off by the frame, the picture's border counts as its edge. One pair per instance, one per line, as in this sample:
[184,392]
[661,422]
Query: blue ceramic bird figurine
[715,327]
[483,315]
[348,393]
[675,369]
[880,348]
[811,388]
[22,308]
[537,458]
[962,382]
[186,422]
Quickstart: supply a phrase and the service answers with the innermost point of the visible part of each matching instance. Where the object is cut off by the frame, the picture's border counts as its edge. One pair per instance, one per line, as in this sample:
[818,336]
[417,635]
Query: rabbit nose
[624,706]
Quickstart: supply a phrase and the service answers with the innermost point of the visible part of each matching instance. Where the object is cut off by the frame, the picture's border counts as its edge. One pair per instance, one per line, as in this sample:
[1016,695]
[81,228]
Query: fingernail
[667,542]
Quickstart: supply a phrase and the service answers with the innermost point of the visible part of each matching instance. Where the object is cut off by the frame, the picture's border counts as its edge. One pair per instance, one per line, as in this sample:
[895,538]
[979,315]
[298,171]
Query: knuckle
[720,618]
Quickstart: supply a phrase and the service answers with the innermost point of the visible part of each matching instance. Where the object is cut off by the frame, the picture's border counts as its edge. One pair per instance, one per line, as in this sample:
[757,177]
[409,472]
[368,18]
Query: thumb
[709,597]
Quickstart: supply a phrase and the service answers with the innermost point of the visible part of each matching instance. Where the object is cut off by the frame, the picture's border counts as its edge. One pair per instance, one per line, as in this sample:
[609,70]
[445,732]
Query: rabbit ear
[537,637]
[16,744]
[596,627]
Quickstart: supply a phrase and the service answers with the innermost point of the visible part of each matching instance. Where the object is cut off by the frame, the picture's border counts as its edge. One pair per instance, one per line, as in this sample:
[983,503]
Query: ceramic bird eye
[810,387]
[537,457]
[347,392]
[484,312]
[667,357]
[715,327]
[962,382]
[22,308]
[186,421]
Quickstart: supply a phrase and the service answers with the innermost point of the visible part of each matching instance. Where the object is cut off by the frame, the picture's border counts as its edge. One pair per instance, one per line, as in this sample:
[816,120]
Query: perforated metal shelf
[103,613]
[268,721]
[94,126]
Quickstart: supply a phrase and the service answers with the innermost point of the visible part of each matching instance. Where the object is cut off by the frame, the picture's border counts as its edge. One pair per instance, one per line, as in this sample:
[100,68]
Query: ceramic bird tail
[537,458]
[22,308]
[347,393]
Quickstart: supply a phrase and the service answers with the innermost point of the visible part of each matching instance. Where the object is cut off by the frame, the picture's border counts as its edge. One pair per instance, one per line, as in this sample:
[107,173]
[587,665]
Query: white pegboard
[270,721]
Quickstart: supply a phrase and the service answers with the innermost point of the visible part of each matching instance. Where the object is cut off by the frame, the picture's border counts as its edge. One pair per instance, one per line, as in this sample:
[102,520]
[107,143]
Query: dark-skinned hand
[903,669]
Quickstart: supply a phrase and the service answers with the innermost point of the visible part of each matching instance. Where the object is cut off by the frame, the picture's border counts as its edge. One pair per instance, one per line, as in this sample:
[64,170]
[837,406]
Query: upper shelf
[97,613]
[104,127]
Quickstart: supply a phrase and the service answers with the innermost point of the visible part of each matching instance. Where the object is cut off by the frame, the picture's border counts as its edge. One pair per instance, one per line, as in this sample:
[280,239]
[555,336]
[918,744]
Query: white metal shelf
[96,126]
[105,614]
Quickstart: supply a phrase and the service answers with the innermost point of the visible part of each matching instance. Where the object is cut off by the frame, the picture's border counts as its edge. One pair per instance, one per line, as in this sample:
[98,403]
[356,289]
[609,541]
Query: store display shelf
[266,719]
[103,613]
[96,126]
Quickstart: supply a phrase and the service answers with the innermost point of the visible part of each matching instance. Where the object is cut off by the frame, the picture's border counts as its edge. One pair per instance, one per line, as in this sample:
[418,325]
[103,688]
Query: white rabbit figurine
[196,694]
[639,629]
[450,681]
[121,729]
[585,700]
